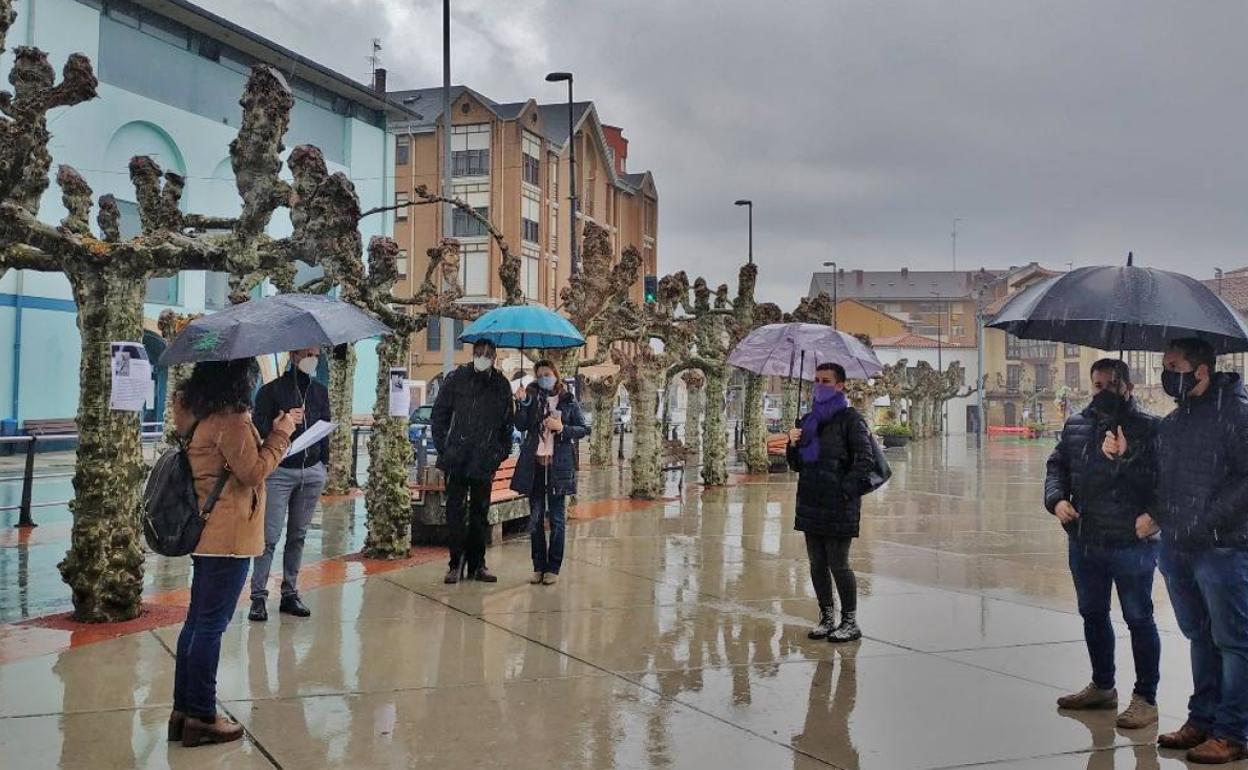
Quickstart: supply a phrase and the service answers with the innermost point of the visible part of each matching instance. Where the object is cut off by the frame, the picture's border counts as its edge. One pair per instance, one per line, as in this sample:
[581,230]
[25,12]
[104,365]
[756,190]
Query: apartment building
[510,163]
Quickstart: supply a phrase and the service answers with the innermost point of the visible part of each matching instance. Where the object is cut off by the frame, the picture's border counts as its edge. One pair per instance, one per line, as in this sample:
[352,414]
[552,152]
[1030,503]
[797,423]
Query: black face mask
[1178,385]
[1108,403]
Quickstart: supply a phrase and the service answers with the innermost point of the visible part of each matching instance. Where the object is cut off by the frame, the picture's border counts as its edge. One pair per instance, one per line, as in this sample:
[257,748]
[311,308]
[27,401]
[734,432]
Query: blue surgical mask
[546,382]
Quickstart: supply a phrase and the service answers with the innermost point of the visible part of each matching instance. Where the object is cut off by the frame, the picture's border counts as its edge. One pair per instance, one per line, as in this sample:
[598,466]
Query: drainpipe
[17,343]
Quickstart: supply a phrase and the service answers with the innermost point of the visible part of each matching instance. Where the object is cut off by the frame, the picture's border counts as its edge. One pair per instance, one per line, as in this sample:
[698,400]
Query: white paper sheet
[400,396]
[131,376]
[319,430]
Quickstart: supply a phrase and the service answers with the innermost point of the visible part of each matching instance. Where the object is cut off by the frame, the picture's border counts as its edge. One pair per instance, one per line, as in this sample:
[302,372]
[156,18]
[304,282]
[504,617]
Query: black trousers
[468,525]
[829,563]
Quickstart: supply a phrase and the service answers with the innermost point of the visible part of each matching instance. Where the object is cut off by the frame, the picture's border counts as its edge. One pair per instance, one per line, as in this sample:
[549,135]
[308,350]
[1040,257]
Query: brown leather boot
[196,732]
[1186,737]
[1217,751]
[176,721]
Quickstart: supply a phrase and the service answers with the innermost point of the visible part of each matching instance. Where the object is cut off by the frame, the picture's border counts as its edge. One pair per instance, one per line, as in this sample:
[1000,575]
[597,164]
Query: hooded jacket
[471,422]
[1202,469]
[1108,494]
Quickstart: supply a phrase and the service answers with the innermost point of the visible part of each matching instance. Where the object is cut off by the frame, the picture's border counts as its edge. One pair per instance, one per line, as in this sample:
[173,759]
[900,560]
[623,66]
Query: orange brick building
[510,162]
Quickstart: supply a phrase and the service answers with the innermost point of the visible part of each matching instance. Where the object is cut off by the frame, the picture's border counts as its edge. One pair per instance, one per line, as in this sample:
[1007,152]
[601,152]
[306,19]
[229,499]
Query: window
[433,334]
[1029,350]
[553,175]
[401,263]
[470,150]
[216,290]
[474,269]
[402,150]
[530,216]
[1071,350]
[530,273]
[532,149]
[401,200]
[1073,375]
[1043,379]
[459,328]
[464,225]
[554,231]
[1013,376]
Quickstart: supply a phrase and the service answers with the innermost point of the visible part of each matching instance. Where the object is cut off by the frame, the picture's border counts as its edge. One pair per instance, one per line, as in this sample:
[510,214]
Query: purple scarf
[826,407]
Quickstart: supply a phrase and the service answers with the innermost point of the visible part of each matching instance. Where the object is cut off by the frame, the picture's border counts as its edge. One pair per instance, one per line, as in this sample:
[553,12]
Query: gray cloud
[1062,131]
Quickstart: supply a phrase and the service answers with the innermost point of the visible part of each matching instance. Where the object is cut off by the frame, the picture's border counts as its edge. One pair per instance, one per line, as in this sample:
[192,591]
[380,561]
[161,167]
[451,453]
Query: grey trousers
[292,494]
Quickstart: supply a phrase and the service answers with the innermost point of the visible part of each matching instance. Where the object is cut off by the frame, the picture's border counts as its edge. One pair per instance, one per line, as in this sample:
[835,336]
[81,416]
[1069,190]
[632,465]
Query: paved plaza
[675,639]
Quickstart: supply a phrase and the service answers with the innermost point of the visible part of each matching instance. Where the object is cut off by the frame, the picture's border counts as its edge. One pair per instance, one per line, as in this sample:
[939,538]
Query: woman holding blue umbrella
[551,418]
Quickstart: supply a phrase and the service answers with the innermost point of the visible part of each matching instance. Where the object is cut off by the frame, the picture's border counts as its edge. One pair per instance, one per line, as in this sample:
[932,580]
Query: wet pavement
[675,639]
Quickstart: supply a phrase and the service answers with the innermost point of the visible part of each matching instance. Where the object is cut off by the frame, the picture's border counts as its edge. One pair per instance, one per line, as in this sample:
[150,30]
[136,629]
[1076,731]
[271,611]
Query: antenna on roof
[374,60]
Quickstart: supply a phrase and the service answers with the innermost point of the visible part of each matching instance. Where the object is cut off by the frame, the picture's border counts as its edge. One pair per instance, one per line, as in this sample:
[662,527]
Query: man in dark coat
[1201,504]
[833,455]
[471,425]
[1102,504]
[295,487]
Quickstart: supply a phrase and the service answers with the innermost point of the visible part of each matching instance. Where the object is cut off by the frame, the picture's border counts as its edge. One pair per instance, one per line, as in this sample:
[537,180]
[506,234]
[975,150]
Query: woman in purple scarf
[831,451]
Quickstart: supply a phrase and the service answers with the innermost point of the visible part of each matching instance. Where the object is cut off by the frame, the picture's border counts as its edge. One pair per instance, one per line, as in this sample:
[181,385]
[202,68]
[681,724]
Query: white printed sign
[400,397]
[131,377]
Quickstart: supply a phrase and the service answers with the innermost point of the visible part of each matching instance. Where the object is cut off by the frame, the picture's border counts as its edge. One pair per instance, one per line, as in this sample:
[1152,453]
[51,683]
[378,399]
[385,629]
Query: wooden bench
[58,426]
[429,505]
[777,452]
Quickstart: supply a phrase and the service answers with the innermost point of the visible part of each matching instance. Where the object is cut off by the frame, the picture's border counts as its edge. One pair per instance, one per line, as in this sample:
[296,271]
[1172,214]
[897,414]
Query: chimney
[858,277]
[379,80]
[905,273]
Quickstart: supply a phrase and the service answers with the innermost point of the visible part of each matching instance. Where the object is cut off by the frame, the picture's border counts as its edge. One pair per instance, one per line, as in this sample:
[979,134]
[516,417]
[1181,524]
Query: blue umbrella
[523,326]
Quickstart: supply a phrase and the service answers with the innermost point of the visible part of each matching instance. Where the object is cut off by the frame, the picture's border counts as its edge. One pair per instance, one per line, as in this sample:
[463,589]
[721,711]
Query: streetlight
[940,330]
[749,204]
[558,77]
[833,266]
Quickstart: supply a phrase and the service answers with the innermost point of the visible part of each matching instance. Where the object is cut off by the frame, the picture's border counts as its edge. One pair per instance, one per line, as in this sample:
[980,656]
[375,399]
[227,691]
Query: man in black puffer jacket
[1103,503]
[1201,504]
[471,426]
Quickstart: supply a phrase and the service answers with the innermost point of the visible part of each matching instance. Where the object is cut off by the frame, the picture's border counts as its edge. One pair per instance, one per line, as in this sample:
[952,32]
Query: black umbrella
[272,325]
[1122,308]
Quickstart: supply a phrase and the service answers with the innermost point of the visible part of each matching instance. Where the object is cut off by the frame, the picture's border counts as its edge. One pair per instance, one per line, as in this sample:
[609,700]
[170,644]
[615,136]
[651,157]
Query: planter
[891,442]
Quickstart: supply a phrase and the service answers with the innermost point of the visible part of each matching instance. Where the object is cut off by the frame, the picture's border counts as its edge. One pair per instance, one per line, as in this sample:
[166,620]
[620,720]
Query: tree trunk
[104,565]
[341,406]
[693,420]
[601,439]
[174,377]
[388,498]
[755,426]
[715,430]
[643,394]
[788,413]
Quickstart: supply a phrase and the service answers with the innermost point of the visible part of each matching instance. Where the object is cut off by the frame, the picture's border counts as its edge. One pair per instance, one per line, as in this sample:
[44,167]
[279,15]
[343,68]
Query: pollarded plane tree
[108,275]
[748,315]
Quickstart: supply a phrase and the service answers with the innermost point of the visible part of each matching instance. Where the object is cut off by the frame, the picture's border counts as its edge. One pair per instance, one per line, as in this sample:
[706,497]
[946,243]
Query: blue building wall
[157,97]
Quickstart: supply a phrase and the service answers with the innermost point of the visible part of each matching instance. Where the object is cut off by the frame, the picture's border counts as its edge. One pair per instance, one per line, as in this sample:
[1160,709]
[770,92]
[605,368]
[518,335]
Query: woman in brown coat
[213,409]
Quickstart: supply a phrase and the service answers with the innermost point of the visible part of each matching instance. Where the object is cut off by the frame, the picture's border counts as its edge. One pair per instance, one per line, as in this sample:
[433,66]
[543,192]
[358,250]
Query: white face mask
[307,365]
[481,363]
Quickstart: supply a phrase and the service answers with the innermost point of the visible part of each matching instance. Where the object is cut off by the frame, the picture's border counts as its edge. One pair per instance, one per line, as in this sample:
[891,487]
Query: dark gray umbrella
[272,325]
[1122,308]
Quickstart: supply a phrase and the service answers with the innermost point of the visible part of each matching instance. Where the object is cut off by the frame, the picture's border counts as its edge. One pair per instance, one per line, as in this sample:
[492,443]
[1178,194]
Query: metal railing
[25,508]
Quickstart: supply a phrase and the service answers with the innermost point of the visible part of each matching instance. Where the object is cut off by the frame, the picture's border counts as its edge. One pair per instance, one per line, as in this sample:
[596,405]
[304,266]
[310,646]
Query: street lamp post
[940,365]
[750,205]
[448,211]
[834,309]
[575,265]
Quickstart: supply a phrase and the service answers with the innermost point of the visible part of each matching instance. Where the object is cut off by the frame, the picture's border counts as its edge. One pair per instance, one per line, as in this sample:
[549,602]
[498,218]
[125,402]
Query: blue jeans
[1096,570]
[1209,591]
[291,494]
[215,587]
[547,555]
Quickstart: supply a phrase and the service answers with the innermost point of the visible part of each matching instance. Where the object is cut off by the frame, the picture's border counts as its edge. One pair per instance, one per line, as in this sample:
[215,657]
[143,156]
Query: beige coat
[236,526]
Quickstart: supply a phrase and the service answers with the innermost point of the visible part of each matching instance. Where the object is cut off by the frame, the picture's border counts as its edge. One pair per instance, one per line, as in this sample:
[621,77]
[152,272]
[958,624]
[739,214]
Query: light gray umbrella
[272,325]
[795,350]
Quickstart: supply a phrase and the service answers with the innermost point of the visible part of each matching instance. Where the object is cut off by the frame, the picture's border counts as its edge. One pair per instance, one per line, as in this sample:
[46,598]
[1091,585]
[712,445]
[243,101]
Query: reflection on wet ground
[675,638]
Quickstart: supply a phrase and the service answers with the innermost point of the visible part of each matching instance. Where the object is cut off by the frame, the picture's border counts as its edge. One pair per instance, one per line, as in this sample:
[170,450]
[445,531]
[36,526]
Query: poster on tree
[131,377]
[400,397]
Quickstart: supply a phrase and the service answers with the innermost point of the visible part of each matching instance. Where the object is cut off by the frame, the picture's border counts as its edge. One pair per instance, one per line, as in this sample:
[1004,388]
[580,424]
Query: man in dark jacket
[471,426]
[1201,504]
[833,455]
[293,490]
[1102,503]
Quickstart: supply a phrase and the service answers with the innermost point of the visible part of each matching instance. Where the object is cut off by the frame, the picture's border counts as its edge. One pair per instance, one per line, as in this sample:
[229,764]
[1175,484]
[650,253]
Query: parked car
[418,428]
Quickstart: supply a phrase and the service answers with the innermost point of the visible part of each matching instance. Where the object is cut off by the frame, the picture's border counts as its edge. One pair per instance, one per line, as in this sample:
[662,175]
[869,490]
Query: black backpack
[172,519]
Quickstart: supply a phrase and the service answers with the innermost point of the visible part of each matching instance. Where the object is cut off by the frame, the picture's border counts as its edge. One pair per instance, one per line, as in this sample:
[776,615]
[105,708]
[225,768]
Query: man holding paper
[295,487]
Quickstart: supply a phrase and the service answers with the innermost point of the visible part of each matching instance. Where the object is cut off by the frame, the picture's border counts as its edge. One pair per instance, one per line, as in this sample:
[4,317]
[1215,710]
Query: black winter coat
[562,469]
[1108,494]
[1202,467]
[829,490]
[294,389]
[471,422]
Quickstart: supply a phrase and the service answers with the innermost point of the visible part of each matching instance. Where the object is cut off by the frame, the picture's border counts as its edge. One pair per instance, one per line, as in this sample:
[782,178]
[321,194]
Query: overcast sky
[1058,131]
